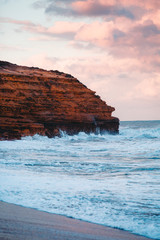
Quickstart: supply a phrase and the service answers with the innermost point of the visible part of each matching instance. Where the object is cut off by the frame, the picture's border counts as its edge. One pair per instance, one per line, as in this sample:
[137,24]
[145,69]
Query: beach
[19,223]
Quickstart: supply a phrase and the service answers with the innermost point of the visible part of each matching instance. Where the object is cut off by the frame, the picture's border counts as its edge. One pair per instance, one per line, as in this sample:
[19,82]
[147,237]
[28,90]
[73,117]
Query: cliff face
[33,100]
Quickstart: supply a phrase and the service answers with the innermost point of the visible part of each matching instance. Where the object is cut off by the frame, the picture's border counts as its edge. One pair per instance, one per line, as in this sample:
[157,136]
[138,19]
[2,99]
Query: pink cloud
[14,21]
[138,40]
[25,25]
[153,16]
[101,8]
[89,6]
[133,9]
[40,60]
[120,37]
[98,33]
[62,27]
[149,87]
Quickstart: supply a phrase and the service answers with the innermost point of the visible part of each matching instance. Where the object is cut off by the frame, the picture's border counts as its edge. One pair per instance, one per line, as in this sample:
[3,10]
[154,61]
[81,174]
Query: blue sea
[112,180]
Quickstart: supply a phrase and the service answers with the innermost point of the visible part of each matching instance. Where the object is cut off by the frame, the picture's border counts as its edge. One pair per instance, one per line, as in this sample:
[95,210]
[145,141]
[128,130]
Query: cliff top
[10,68]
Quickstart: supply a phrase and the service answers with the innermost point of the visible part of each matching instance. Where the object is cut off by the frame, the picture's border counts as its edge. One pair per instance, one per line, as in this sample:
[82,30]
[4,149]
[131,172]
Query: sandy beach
[21,223]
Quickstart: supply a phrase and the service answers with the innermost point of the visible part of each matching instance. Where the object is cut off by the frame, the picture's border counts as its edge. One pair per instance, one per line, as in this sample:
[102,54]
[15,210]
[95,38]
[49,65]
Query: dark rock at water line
[37,101]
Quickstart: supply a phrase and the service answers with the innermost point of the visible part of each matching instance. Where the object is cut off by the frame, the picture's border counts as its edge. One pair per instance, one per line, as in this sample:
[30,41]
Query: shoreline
[22,223]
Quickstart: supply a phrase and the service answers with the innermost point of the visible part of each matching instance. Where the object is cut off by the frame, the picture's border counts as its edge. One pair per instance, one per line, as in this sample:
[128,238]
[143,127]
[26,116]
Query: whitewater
[107,179]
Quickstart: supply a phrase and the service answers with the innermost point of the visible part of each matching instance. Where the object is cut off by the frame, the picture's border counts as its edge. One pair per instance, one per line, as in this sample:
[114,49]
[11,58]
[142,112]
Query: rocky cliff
[34,100]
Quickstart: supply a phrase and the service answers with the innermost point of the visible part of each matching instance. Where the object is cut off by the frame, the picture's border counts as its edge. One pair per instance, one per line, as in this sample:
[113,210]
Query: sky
[111,46]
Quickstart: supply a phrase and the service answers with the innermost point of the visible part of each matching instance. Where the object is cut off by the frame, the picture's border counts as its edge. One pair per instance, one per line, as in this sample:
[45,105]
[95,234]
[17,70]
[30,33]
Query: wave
[131,133]
[142,133]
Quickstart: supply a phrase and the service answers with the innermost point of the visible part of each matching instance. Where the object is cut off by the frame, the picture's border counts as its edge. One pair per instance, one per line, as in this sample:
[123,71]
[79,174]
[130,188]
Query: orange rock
[34,100]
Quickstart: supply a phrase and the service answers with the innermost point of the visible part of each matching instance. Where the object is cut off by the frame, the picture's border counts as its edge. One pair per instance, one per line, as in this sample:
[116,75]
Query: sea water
[112,180]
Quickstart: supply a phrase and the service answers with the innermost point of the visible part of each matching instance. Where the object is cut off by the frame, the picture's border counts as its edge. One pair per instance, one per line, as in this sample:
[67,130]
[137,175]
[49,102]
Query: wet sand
[20,223]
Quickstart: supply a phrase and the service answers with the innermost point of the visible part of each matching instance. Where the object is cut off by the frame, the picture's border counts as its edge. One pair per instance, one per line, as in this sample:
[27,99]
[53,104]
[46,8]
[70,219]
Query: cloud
[88,8]
[82,45]
[64,28]
[14,21]
[101,8]
[133,9]
[147,29]
[55,7]
[61,29]
[135,41]
[4,47]
[42,61]
[132,31]
[149,87]
[122,39]
[133,37]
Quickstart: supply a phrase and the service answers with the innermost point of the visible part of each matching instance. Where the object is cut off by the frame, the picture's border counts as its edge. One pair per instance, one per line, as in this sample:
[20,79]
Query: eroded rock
[36,101]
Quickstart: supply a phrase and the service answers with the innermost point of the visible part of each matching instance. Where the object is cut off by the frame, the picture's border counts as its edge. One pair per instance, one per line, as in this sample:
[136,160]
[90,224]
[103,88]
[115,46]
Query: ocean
[112,180]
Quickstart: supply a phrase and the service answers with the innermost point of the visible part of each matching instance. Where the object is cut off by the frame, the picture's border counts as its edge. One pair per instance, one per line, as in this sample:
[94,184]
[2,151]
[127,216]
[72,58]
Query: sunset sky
[112,46]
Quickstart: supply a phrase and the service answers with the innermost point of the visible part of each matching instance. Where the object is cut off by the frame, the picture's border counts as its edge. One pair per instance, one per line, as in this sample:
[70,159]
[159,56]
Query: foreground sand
[20,223]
